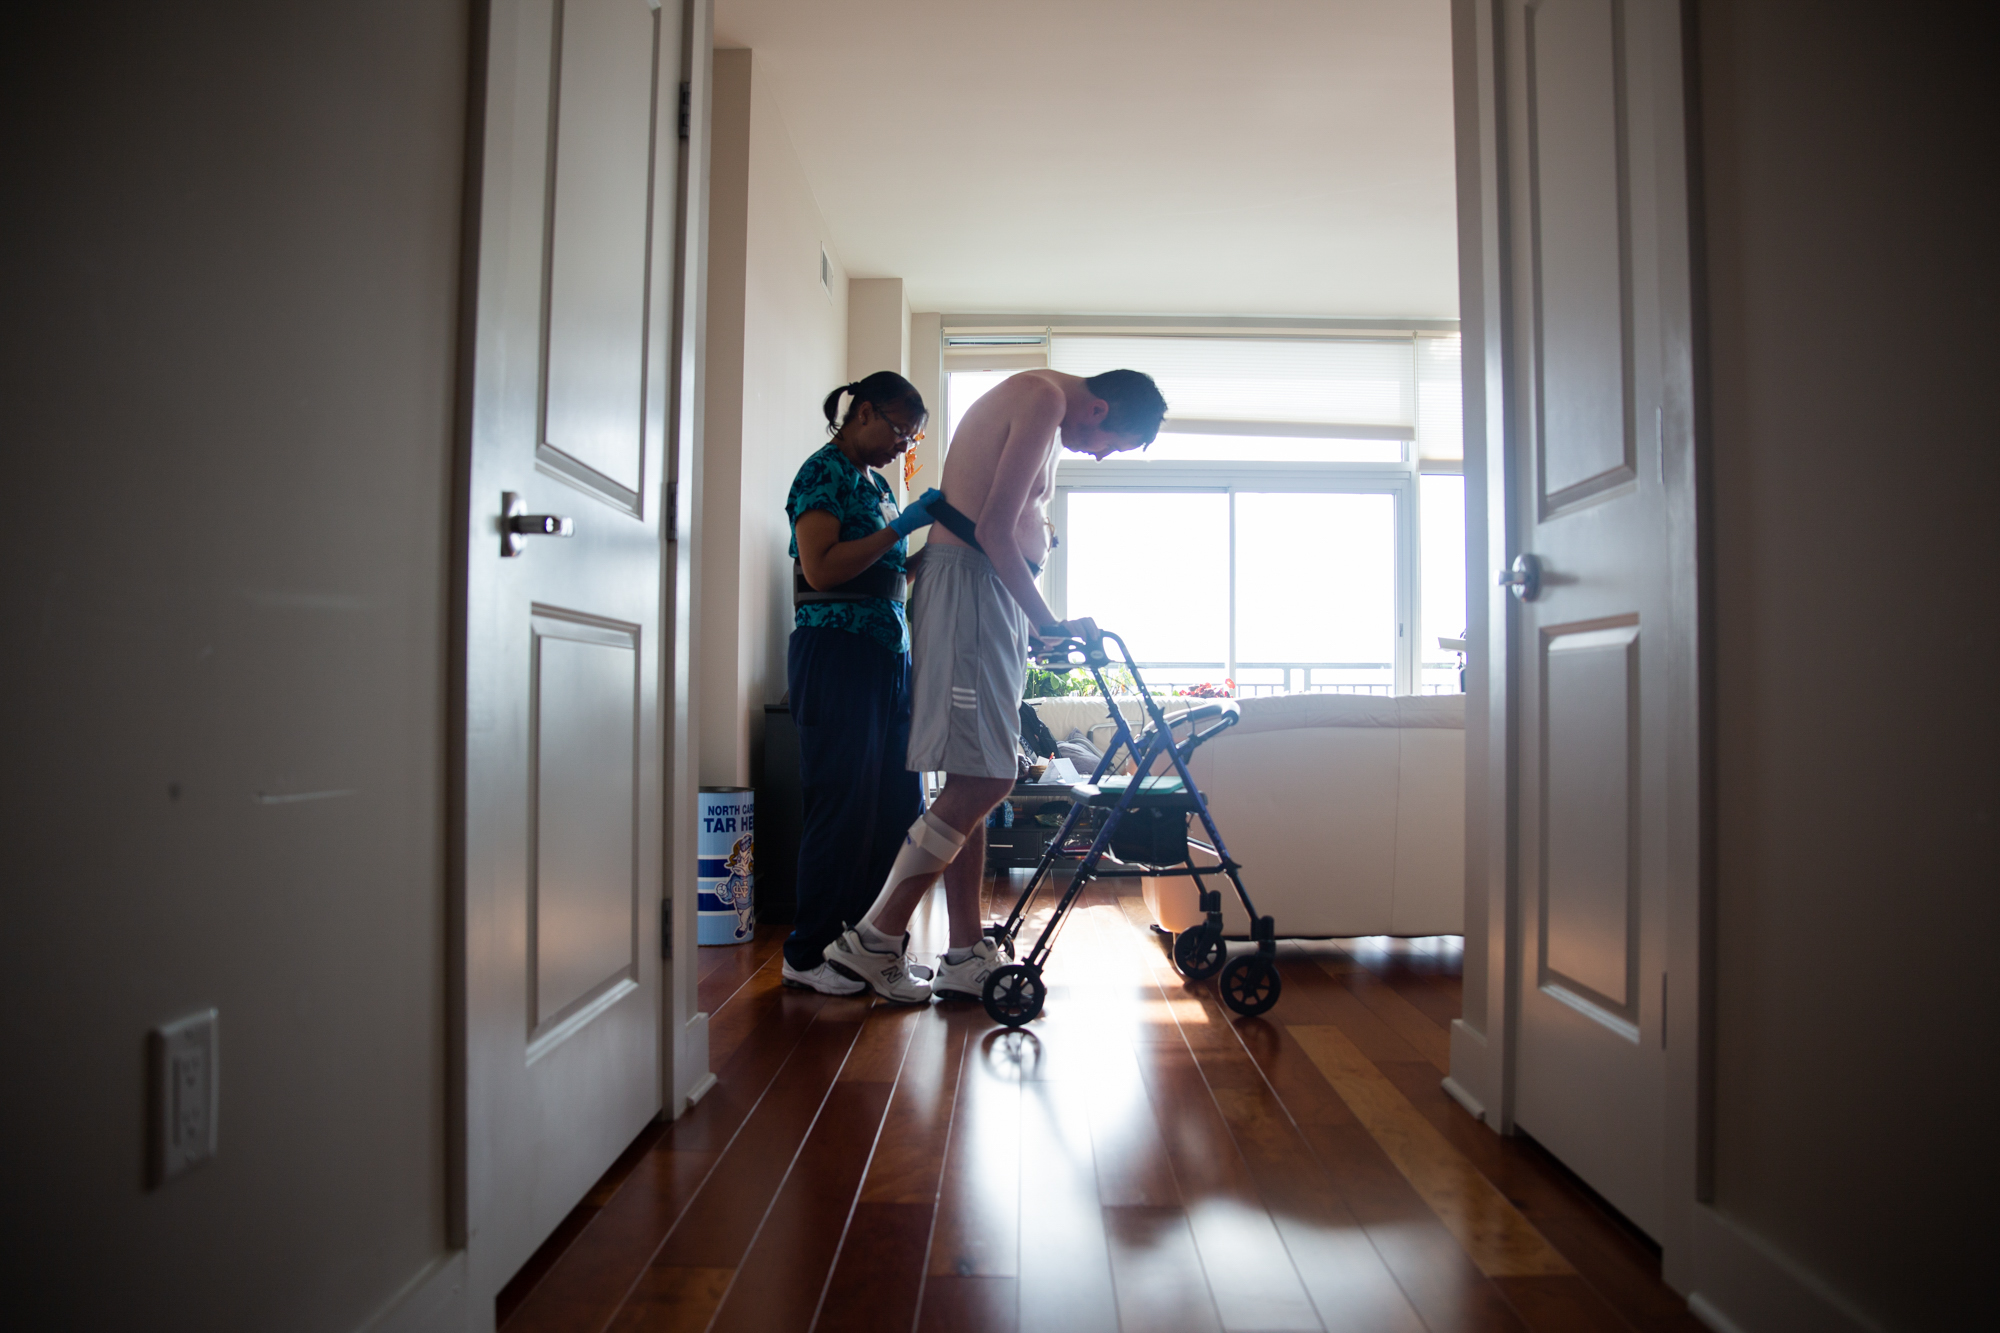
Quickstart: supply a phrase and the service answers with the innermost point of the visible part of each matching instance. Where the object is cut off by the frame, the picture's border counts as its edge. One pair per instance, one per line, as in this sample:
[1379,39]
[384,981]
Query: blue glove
[916,514]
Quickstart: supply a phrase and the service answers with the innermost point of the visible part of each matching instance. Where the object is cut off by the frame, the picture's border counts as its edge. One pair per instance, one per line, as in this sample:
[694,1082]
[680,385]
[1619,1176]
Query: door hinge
[686,102]
[667,928]
[673,514]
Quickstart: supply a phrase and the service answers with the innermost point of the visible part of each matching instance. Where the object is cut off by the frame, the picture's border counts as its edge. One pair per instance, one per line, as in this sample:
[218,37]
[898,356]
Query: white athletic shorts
[969,662]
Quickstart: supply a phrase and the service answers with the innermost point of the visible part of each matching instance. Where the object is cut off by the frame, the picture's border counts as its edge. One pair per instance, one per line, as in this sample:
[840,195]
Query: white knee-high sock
[928,848]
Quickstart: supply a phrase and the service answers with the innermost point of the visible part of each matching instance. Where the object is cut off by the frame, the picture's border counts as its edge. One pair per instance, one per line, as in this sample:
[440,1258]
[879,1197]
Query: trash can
[725,880]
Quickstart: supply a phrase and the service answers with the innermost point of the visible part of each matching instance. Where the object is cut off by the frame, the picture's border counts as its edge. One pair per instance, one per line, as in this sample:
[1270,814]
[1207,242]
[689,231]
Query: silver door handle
[1524,580]
[516,527]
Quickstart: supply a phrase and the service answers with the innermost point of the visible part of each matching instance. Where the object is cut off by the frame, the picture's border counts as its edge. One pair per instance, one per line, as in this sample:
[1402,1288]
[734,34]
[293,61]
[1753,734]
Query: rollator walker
[1144,833]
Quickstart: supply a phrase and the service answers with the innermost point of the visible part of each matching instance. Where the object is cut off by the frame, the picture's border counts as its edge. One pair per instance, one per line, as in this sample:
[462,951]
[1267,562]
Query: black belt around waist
[960,526]
[878,580]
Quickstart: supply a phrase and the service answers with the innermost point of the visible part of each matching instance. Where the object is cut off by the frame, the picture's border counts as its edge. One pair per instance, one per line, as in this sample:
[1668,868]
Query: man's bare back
[999,470]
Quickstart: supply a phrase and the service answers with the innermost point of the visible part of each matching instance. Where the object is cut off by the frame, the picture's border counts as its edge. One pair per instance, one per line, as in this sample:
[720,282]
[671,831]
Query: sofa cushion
[1300,712]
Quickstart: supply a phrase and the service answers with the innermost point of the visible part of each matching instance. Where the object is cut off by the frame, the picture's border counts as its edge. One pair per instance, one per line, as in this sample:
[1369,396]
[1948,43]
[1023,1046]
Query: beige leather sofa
[1347,812]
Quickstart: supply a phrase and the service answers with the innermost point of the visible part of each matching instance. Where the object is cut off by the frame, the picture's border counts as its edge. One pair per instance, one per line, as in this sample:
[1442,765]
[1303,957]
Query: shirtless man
[975,618]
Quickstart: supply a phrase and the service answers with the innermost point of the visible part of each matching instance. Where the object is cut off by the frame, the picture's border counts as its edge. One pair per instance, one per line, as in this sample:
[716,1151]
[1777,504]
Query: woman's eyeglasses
[905,435]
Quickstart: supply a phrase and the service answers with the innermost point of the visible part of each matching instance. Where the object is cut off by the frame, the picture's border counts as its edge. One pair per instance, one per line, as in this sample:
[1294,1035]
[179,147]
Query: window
[1280,583]
[1278,532]
[1441,498]
[1316,592]
[963,388]
[1168,598]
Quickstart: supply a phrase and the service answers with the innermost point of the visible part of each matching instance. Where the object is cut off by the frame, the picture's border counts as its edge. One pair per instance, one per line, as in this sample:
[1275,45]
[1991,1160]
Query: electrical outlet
[185,1083]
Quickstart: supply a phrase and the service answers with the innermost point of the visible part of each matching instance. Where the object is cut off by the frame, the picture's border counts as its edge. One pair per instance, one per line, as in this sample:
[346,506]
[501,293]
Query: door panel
[1590,651]
[1589,931]
[563,808]
[600,175]
[1576,186]
[586,739]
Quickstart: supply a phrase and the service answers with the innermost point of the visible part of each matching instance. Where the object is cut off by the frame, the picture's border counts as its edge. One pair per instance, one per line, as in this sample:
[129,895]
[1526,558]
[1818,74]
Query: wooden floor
[1137,1158]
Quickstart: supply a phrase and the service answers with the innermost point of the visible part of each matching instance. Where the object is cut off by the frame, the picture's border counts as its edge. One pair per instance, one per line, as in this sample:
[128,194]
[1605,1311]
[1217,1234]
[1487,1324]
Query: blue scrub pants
[851,703]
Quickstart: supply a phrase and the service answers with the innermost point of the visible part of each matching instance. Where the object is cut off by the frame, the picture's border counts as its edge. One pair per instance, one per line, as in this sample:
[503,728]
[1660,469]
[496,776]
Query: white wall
[878,337]
[1855,484]
[927,374]
[777,345]
[231,294]
[878,327]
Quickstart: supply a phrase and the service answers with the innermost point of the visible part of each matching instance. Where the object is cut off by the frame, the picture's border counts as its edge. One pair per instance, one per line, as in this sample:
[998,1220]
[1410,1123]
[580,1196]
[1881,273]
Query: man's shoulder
[1032,389]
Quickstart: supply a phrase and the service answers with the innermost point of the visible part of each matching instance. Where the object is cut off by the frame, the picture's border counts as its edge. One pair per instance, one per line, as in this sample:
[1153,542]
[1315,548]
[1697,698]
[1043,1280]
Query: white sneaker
[887,973]
[824,978]
[966,980]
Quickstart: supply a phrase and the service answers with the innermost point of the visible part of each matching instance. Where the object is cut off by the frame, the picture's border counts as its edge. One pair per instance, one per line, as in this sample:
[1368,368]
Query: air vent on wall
[953,341]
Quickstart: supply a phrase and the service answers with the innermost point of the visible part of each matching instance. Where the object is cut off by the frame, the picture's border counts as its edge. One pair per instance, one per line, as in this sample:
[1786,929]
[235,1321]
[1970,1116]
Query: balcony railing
[1256,679]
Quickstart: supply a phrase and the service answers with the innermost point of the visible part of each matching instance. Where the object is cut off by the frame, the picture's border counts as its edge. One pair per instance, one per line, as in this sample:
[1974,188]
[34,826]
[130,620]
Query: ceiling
[1267,157]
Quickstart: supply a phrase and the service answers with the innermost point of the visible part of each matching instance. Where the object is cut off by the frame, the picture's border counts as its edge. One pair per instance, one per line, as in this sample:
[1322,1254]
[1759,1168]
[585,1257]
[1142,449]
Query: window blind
[1440,401]
[1330,381]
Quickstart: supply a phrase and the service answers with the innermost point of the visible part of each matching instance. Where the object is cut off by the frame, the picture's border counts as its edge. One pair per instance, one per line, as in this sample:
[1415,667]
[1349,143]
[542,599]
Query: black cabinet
[780,817]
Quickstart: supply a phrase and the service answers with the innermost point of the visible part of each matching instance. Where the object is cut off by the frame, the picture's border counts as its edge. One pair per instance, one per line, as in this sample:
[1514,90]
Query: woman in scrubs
[849,666]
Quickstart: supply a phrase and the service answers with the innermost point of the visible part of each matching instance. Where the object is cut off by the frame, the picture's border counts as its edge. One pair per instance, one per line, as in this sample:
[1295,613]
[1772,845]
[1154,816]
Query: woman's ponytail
[832,405]
[885,390]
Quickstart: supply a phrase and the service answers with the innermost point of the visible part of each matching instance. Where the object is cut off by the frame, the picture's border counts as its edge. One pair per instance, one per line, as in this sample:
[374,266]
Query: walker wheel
[1014,994]
[1250,985]
[1199,953]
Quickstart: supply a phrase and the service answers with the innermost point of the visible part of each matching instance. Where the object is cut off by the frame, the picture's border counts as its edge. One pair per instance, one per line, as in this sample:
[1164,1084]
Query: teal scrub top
[864,504]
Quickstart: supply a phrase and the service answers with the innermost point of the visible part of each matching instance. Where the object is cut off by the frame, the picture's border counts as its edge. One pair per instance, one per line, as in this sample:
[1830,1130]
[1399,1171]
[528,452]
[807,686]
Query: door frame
[1483,1039]
[684,1066]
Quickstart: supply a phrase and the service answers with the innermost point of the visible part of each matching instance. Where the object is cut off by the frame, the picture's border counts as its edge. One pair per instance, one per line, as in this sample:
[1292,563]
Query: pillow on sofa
[1079,751]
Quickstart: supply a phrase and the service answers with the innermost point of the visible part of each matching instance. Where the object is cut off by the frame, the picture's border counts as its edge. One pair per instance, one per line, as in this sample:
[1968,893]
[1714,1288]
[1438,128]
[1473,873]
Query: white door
[563,808]
[1596,265]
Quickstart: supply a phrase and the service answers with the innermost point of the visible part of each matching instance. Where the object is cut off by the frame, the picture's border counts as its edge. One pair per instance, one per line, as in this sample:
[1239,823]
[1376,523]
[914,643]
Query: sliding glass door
[1278,579]
[1315,599]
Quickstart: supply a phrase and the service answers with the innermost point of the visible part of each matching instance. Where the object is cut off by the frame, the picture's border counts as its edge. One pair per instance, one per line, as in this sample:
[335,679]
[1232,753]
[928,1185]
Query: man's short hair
[1136,403]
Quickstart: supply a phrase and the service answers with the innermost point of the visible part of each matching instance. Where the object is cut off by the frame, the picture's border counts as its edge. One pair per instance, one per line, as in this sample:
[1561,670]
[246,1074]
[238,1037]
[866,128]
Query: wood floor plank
[1157,1272]
[1346,1279]
[909,1154]
[1250,1272]
[1412,1024]
[585,1286]
[1333,1002]
[1501,1241]
[672,1300]
[969,1305]
[716,1229]
[1065,1259]
[1435,1273]
[1560,1305]
[879,1276]
[782,1019]
[723,968]
[1437,998]
[783,1274]
[1133,1168]
[1431,1269]
[979,1192]
[1349,1284]
[760,1002]
[1603,1251]
[886,1031]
